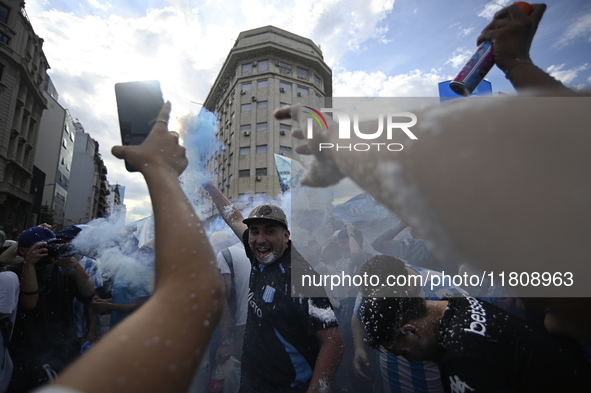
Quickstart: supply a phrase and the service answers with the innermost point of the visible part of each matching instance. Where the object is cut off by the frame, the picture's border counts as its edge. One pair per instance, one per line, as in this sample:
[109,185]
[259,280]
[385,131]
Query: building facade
[23,68]
[88,188]
[267,68]
[57,135]
[115,201]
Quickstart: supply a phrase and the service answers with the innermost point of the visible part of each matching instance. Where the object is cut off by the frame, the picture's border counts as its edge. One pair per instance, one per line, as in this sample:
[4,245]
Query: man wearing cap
[86,322]
[291,344]
[43,341]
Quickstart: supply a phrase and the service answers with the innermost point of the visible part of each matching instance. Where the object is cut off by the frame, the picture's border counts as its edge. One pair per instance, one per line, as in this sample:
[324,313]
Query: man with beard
[291,343]
[44,341]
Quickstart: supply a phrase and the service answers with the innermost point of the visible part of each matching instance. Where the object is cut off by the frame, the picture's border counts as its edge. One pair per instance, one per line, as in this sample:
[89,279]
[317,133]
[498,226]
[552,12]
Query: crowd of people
[422,336]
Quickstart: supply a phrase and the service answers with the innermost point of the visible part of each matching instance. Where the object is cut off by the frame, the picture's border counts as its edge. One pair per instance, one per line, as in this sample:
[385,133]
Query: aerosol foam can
[479,64]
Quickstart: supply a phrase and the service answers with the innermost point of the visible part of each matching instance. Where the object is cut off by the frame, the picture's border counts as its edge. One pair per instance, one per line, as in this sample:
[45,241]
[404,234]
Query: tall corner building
[267,68]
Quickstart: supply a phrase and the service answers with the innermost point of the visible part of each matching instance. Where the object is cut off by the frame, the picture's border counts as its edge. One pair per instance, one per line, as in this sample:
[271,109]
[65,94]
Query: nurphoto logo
[344,121]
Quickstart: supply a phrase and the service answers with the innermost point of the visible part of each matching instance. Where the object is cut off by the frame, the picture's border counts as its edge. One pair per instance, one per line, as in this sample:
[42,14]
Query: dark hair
[381,266]
[383,317]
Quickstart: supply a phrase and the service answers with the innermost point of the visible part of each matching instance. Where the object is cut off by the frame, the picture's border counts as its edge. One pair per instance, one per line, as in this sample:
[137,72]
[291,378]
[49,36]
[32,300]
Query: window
[302,73]
[285,151]
[263,83]
[318,99]
[261,172]
[282,104]
[230,178]
[1,70]
[244,151]
[263,65]
[261,149]
[284,128]
[4,38]
[302,91]
[245,107]
[245,128]
[246,86]
[284,68]
[64,143]
[285,86]
[247,69]
[262,104]
[261,126]
[244,173]
[4,14]
[317,81]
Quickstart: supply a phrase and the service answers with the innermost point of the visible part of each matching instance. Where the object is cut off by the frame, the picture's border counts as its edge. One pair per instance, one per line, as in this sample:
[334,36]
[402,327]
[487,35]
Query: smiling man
[480,348]
[291,343]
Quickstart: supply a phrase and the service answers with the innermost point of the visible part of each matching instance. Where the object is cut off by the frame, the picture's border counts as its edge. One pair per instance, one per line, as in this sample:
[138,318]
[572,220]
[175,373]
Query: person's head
[34,235]
[268,236]
[399,325]
[382,266]
[68,234]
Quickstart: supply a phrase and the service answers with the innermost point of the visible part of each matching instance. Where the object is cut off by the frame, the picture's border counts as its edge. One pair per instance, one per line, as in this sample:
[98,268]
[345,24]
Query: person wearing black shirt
[291,344]
[480,347]
[44,342]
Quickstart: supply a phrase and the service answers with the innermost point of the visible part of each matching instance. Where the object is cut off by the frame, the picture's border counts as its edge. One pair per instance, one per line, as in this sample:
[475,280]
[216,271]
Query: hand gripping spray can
[479,64]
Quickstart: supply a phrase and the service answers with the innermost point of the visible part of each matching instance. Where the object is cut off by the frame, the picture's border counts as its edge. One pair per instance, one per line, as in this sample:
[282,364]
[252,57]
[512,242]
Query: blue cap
[35,235]
[69,232]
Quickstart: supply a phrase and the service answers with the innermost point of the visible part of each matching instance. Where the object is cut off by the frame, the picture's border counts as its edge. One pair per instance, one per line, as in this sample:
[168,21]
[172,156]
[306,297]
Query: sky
[386,48]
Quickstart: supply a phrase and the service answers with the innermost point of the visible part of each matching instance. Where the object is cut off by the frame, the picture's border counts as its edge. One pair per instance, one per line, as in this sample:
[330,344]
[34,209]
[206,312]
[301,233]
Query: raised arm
[157,348]
[228,211]
[385,244]
[511,32]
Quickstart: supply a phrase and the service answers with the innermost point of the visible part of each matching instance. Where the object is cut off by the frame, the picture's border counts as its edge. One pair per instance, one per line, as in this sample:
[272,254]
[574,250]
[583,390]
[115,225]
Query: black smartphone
[138,105]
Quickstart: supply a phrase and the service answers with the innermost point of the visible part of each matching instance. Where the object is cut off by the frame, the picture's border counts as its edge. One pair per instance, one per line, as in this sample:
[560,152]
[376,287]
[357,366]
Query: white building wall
[82,179]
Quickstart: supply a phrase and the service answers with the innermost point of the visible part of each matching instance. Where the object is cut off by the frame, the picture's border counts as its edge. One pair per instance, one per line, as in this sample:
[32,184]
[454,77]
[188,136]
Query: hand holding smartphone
[138,105]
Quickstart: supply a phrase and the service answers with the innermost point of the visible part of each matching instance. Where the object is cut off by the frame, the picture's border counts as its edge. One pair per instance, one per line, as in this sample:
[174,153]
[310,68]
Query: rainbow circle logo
[317,116]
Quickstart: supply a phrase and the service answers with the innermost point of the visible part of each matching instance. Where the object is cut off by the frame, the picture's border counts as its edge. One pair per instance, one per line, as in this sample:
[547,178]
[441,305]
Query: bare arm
[29,284]
[384,242]
[10,255]
[357,254]
[143,353]
[328,360]
[227,210]
[105,306]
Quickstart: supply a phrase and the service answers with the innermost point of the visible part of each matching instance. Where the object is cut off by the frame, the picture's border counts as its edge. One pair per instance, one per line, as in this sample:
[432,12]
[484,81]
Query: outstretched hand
[323,171]
[160,150]
[512,31]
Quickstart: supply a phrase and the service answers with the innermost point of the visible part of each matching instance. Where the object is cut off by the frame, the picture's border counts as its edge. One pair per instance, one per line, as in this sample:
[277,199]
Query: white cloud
[459,57]
[100,6]
[466,31]
[566,76]
[580,29]
[182,46]
[491,8]
[415,83]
